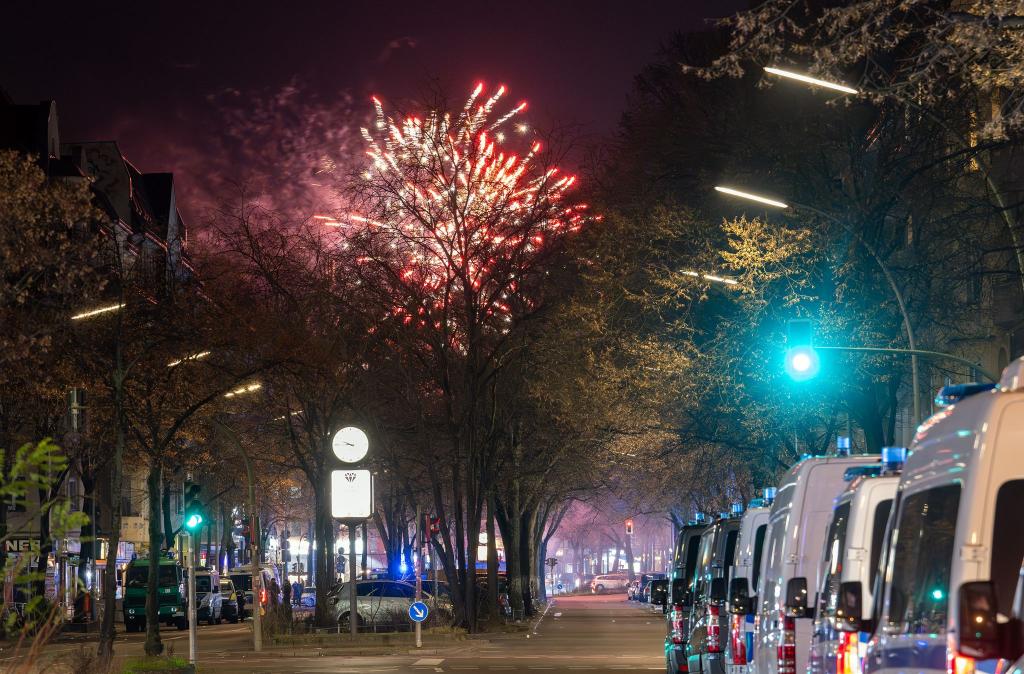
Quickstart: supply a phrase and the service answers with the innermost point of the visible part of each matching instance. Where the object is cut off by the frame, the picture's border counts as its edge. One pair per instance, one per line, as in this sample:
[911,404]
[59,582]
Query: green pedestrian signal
[802,362]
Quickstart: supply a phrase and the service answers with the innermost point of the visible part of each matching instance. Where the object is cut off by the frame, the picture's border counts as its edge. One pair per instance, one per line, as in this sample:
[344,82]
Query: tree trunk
[105,649]
[165,507]
[153,645]
[324,556]
[493,610]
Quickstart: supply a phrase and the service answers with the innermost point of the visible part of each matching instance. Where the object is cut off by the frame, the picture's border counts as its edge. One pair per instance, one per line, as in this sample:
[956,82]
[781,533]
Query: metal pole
[915,352]
[419,573]
[353,613]
[192,598]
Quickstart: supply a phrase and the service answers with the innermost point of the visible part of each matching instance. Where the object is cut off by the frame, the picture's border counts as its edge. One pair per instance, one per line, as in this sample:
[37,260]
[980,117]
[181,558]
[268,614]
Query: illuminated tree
[456,220]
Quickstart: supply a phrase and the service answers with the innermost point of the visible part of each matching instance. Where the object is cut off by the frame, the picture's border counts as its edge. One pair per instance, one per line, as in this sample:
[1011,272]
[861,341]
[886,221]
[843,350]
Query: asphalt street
[576,634]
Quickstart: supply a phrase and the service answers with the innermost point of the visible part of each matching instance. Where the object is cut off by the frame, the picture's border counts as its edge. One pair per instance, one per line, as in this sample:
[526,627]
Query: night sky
[214,90]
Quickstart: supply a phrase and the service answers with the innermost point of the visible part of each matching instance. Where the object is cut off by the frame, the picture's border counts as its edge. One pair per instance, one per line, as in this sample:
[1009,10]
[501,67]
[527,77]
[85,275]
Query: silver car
[382,602]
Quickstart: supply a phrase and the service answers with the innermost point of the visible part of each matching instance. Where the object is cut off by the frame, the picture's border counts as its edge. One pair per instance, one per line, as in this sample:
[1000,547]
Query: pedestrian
[297,593]
[275,592]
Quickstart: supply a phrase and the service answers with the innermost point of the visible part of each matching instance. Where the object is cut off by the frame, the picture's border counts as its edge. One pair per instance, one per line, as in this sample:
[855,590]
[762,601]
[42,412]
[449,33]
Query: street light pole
[881,264]
[192,613]
[914,353]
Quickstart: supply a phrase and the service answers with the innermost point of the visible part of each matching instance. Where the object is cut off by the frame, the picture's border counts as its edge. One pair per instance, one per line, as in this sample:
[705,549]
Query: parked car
[209,602]
[849,566]
[955,548]
[229,601]
[612,582]
[684,567]
[709,622]
[796,529]
[381,602]
[744,580]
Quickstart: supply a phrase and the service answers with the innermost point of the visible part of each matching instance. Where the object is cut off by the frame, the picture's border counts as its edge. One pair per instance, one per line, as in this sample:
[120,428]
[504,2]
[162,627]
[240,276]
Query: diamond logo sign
[351,494]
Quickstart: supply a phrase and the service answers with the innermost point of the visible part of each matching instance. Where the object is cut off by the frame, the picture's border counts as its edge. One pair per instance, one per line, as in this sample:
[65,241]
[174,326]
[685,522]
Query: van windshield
[202,583]
[138,575]
[921,559]
[832,563]
[1007,543]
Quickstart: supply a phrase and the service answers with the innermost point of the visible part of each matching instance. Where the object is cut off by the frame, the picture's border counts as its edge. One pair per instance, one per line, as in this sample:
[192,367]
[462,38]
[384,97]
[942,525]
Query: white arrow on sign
[418,612]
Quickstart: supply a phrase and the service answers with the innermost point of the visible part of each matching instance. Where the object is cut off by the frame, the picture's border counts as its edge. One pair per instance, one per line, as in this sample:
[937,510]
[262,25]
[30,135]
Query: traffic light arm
[914,352]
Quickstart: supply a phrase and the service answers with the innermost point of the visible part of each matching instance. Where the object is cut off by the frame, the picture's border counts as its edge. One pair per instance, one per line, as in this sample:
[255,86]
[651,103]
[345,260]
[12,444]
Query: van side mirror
[851,608]
[739,596]
[680,593]
[716,591]
[979,633]
[797,602]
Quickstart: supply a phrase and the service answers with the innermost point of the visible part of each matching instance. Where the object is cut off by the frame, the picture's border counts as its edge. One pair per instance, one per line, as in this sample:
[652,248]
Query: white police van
[796,528]
[743,583]
[955,548]
[849,565]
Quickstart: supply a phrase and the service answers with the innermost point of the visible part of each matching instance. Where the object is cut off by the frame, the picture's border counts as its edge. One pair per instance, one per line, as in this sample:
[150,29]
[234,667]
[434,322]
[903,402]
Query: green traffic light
[802,363]
[193,521]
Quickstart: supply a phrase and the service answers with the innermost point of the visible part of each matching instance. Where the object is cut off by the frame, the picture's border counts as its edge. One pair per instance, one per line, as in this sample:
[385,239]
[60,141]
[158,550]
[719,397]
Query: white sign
[350,444]
[351,494]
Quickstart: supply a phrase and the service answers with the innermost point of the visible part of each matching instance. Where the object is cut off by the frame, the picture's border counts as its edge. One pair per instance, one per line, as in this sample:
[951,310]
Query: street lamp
[813,81]
[878,259]
[714,278]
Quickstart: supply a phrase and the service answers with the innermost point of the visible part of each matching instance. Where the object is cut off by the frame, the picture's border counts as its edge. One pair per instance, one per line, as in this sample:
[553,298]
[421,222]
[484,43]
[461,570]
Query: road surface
[577,634]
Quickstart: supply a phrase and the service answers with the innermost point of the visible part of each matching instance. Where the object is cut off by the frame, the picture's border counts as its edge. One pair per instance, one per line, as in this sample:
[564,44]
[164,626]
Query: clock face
[350,444]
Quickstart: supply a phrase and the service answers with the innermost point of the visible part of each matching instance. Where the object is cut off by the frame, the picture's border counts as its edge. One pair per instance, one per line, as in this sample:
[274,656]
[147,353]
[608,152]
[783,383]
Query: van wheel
[343,621]
[181,624]
[599,588]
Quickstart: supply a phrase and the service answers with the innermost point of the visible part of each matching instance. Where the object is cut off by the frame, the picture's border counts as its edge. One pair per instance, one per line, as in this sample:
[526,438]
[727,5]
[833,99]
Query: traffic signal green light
[802,362]
[193,518]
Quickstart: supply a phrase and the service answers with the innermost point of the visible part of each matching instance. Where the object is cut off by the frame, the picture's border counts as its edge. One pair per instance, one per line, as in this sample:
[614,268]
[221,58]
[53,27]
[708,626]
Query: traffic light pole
[914,353]
[192,597]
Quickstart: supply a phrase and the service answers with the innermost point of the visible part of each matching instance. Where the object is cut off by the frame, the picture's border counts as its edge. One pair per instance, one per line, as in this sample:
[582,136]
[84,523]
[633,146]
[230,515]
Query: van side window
[773,560]
[758,550]
[921,560]
[730,551]
[878,534]
[1007,543]
[692,550]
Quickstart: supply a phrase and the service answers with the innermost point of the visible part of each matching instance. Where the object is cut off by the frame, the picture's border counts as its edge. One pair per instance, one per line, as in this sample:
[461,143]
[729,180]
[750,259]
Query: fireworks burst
[458,211]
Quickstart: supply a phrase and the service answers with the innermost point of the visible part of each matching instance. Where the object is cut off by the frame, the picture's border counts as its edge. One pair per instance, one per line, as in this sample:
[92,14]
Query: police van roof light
[736,509]
[769,494]
[954,393]
[893,459]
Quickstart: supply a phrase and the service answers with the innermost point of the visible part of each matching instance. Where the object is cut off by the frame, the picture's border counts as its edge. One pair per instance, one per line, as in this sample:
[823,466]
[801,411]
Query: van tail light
[263,595]
[677,624]
[848,654]
[786,651]
[956,663]
[714,630]
[738,639]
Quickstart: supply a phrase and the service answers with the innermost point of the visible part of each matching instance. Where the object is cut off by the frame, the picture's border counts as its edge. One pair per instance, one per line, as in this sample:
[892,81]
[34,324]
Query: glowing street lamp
[750,196]
[97,312]
[813,81]
[725,280]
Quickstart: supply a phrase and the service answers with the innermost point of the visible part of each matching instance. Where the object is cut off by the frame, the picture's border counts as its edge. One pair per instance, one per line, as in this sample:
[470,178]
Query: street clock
[350,444]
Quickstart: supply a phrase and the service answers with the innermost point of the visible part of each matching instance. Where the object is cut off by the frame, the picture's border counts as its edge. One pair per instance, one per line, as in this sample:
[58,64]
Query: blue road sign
[418,611]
